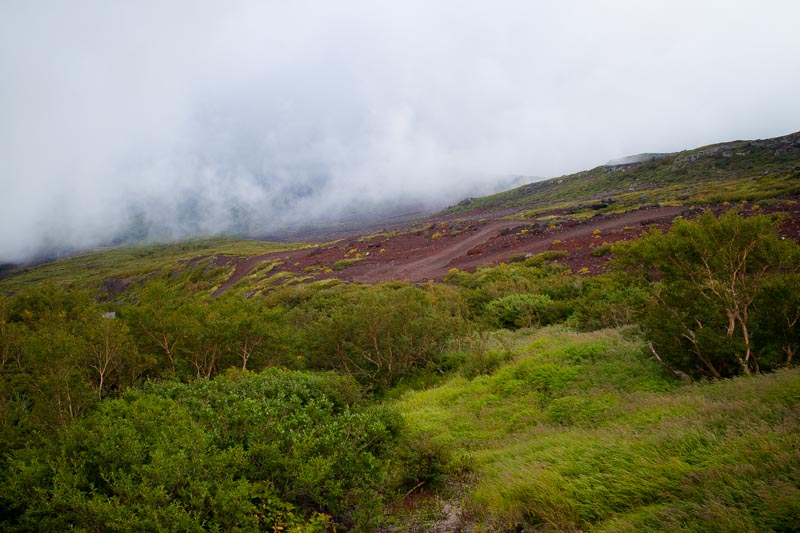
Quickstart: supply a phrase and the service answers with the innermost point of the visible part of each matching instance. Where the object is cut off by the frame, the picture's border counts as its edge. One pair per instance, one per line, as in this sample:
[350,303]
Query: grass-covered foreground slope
[584,431]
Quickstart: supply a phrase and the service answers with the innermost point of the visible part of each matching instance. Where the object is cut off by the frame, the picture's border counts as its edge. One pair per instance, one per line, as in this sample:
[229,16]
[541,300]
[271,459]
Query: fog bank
[161,120]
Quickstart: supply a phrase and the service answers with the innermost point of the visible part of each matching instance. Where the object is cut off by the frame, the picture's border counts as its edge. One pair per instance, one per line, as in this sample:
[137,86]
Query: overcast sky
[187,117]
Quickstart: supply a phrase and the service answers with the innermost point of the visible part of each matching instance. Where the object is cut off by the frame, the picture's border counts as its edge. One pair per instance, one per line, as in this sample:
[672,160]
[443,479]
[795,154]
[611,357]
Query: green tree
[776,320]
[55,360]
[14,381]
[160,324]
[109,350]
[205,330]
[384,333]
[252,332]
[710,272]
[610,302]
[44,382]
[46,300]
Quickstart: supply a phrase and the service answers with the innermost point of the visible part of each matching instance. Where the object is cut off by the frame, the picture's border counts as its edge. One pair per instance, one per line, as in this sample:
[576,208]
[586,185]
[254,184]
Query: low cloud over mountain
[157,120]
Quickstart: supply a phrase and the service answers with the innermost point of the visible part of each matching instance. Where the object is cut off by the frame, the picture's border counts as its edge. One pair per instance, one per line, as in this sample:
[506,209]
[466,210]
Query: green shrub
[712,271]
[546,257]
[249,451]
[484,361]
[379,334]
[610,302]
[521,311]
[344,263]
[602,250]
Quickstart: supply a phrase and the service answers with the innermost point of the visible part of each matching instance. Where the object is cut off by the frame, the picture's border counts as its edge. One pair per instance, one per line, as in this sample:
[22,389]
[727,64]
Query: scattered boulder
[114,286]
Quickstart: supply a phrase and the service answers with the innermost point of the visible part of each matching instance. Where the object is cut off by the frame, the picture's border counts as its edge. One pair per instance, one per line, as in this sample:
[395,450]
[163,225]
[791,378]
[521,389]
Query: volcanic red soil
[430,250]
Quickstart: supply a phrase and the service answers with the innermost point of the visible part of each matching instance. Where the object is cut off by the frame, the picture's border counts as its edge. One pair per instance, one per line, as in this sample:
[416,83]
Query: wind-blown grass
[584,432]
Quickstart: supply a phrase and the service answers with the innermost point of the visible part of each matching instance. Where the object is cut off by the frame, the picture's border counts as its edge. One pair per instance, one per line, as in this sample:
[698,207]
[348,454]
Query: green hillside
[135,262]
[662,395]
[732,172]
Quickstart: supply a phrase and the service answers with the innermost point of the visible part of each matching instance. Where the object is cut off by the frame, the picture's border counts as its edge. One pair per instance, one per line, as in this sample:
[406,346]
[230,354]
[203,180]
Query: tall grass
[581,431]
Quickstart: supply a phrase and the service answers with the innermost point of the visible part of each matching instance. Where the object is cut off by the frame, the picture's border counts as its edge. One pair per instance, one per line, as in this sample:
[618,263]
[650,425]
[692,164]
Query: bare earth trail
[418,256]
[434,266]
[583,233]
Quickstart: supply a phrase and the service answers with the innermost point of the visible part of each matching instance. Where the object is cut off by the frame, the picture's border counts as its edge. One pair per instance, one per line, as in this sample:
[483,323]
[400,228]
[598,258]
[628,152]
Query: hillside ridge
[576,216]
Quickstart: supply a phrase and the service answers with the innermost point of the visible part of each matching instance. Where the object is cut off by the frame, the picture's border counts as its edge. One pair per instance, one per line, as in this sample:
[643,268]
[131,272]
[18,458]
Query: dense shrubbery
[60,354]
[521,310]
[243,451]
[724,302]
[538,292]
[153,418]
[380,335]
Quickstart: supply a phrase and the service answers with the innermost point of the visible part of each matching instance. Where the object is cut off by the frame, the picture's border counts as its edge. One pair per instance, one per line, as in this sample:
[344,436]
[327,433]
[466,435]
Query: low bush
[266,451]
[521,311]
[344,263]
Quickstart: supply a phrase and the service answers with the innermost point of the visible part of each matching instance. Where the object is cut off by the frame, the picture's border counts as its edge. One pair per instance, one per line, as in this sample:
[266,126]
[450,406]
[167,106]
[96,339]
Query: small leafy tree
[251,331]
[160,325]
[609,302]
[776,320]
[45,381]
[109,349]
[709,272]
[381,334]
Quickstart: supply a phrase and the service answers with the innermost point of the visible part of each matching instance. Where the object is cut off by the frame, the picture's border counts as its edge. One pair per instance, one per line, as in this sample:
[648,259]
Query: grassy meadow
[586,432]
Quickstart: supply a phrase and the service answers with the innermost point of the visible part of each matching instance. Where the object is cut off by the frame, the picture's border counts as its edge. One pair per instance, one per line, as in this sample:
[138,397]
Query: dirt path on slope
[420,255]
[434,265]
[490,245]
[498,250]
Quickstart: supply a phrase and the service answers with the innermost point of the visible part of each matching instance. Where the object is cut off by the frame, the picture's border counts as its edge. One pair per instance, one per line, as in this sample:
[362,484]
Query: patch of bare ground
[428,252]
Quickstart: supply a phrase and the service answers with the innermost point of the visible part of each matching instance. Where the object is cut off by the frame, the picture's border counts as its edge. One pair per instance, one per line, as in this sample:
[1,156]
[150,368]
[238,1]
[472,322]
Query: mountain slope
[733,171]
[576,216]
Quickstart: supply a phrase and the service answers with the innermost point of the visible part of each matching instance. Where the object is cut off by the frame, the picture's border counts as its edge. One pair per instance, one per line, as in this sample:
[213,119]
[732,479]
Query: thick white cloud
[189,117]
